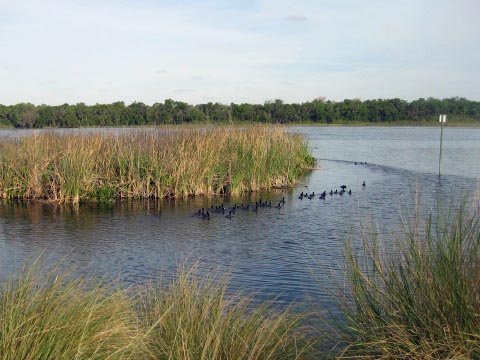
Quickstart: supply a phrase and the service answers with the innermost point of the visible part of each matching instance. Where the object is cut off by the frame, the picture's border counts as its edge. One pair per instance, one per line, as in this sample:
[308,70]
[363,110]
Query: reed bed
[418,298]
[54,316]
[151,163]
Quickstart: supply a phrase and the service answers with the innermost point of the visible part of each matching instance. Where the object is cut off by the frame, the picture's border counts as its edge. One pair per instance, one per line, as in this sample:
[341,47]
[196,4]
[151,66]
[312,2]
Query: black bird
[255,209]
[229,216]
[331,192]
[336,192]
[343,187]
[322,195]
[363,183]
[206,216]
[283,200]
[279,205]
[350,192]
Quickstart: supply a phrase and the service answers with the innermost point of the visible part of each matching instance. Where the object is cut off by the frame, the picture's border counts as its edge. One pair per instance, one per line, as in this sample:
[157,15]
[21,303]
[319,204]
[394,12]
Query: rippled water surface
[291,253]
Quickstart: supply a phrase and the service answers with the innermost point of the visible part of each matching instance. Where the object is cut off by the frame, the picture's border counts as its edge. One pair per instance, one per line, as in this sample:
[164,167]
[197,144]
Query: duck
[363,184]
[229,216]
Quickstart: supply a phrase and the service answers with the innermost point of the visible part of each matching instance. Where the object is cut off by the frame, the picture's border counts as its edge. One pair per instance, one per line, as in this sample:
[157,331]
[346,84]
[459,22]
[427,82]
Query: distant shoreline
[196,125]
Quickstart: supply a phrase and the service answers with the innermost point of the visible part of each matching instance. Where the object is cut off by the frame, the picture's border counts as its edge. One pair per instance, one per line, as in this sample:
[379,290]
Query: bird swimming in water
[363,183]
[229,216]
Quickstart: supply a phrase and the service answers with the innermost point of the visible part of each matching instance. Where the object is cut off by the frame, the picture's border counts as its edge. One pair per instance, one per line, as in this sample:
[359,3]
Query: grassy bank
[150,164]
[57,317]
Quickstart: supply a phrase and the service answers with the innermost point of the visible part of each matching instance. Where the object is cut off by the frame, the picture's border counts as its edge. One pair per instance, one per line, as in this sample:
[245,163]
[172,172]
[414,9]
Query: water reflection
[288,254]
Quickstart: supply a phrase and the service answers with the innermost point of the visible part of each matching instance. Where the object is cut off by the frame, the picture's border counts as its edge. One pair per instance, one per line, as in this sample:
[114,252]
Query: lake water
[294,253]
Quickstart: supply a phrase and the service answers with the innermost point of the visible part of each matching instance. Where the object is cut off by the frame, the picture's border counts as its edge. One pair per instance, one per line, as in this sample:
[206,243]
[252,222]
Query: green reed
[151,163]
[418,298]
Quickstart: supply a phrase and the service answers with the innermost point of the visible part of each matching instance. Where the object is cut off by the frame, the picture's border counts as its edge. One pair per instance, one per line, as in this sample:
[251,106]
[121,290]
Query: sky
[70,51]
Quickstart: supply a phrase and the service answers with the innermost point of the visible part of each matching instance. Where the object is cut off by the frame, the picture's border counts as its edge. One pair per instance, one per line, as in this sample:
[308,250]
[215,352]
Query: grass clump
[193,318]
[52,316]
[418,298]
[55,317]
[150,163]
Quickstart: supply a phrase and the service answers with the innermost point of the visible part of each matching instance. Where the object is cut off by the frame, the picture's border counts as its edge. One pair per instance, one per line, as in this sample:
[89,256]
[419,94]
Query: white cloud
[147,51]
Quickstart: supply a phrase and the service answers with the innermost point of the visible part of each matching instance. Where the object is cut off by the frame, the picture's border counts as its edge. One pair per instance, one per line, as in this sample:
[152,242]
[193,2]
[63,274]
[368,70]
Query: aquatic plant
[193,318]
[45,314]
[52,316]
[150,163]
[418,298]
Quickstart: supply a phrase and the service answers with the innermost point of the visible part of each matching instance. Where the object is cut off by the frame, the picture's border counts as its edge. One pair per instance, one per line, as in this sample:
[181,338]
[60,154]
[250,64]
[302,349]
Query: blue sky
[90,51]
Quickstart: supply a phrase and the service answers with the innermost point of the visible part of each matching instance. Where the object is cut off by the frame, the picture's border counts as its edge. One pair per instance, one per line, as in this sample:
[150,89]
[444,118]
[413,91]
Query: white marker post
[441,119]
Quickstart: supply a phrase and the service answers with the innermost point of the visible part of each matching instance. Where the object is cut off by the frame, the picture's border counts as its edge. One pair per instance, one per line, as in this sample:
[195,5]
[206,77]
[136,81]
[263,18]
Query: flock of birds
[220,209]
[206,213]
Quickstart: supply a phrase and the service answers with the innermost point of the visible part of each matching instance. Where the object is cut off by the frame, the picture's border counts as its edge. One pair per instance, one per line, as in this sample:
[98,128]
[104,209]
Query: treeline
[170,112]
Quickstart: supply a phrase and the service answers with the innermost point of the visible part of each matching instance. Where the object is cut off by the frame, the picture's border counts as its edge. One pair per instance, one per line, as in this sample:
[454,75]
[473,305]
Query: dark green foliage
[172,112]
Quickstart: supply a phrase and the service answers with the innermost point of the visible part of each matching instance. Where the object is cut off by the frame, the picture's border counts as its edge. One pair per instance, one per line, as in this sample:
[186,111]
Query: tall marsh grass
[418,298]
[193,318]
[150,163]
[53,316]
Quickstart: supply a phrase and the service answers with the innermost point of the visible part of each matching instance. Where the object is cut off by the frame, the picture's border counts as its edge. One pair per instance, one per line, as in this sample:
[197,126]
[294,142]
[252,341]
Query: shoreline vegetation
[412,297]
[170,112]
[151,164]
[57,316]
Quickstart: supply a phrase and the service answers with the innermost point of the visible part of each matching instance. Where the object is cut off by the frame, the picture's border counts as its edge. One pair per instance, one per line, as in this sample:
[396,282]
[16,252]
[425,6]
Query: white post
[442,119]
